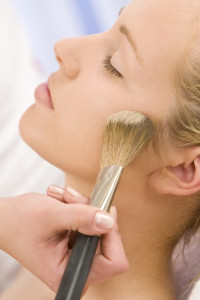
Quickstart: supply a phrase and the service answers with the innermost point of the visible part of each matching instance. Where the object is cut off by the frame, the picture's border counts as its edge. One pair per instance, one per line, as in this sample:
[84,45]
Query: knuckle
[66,196]
[125,266]
[121,266]
[81,219]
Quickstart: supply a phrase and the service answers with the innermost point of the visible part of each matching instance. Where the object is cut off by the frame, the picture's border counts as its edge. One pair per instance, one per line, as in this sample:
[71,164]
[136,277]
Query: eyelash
[109,67]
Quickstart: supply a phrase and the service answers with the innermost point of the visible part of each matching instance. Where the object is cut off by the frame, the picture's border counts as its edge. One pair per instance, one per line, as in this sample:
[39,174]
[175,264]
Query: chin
[36,137]
[31,132]
[24,126]
[41,138]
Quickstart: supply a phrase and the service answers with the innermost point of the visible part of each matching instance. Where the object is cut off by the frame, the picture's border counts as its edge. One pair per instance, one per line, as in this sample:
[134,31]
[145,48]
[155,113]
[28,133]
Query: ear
[182,179]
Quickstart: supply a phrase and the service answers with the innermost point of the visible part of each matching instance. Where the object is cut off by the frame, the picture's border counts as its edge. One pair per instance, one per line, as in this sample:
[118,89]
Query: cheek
[80,123]
[70,138]
[79,133]
[35,132]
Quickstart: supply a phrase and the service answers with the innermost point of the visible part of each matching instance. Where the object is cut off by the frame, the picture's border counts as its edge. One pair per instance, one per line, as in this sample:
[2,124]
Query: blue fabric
[88,16]
[47,21]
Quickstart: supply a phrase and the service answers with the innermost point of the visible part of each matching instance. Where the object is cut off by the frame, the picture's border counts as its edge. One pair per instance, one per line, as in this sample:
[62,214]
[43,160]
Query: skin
[154,190]
[43,226]
[82,81]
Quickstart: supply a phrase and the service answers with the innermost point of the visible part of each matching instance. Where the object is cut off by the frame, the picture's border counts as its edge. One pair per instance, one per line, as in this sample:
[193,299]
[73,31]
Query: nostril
[65,57]
[58,59]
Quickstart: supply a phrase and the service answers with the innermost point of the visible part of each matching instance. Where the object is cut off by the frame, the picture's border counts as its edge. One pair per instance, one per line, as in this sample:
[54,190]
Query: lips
[43,96]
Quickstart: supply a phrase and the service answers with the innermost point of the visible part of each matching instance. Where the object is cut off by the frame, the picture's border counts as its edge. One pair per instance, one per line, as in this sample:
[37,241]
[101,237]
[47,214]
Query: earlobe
[181,180]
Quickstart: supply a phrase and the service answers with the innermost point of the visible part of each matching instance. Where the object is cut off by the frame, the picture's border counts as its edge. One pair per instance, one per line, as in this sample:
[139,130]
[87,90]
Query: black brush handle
[78,267]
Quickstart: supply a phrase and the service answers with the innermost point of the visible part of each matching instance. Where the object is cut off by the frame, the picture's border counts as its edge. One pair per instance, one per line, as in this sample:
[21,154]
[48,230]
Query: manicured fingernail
[104,221]
[113,212]
[73,193]
[56,189]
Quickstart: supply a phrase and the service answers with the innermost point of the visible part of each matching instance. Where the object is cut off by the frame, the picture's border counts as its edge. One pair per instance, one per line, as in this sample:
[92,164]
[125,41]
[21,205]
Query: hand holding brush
[127,134]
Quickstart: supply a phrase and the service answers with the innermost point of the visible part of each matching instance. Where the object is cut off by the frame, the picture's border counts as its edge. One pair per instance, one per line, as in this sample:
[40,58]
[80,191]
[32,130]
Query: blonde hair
[184,121]
[183,124]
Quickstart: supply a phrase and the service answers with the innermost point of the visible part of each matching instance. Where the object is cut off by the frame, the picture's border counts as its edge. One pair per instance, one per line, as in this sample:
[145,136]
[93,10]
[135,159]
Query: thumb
[85,219]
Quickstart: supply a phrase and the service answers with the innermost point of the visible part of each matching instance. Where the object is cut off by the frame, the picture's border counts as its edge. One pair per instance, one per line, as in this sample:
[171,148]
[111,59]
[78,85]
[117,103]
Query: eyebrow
[124,30]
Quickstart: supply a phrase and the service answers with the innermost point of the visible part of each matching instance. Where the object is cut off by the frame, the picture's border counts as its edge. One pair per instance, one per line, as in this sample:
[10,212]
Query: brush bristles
[127,134]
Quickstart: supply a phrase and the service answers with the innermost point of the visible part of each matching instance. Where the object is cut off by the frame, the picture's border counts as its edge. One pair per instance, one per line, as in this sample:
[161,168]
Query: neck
[84,187]
[149,275]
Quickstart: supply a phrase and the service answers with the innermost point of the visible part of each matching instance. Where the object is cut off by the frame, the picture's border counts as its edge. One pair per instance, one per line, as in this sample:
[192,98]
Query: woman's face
[128,67]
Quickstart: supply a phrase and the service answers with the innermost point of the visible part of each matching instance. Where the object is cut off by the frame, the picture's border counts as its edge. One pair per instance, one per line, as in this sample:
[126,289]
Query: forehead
[166,8]
[163,31]
[164,24]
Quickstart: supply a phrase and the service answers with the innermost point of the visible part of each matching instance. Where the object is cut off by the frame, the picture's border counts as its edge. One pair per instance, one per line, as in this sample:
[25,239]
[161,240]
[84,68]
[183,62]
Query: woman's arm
[35,229]
[27,286]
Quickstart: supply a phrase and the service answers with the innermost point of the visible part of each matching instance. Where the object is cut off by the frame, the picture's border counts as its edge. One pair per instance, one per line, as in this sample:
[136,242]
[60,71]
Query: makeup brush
[127,134]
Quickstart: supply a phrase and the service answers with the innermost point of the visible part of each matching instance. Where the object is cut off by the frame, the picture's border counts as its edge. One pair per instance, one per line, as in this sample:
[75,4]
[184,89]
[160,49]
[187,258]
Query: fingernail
[56,189]
[104,221]
[113,212]
[73,193]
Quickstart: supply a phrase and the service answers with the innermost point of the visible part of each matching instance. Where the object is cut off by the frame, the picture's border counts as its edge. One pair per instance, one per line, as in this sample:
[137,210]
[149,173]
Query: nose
[67,57]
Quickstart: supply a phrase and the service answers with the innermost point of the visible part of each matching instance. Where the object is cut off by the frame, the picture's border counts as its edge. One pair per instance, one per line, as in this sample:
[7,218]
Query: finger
[113,213]
[112,260]
[109,249]
[111,263]
[56,192]
[72,196]
[67,195]
[85,219]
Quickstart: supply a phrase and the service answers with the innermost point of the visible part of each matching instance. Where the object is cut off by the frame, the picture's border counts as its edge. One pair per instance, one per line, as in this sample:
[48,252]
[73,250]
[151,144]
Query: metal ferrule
[105,187]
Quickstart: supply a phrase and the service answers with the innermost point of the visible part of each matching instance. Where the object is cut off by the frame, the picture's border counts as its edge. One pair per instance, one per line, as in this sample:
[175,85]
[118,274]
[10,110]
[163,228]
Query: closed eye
[109,67]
